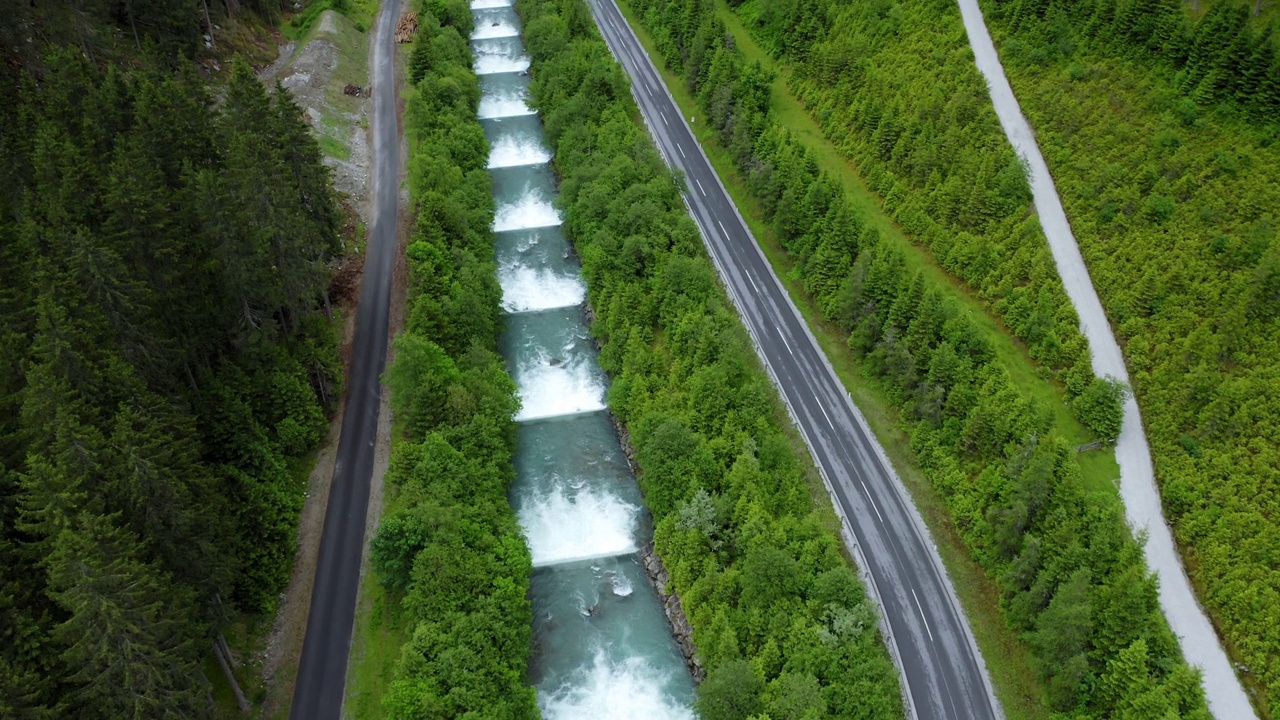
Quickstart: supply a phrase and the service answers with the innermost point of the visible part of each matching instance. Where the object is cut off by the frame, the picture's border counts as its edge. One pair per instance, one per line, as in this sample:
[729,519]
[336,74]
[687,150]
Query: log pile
[407,27]
[355,90]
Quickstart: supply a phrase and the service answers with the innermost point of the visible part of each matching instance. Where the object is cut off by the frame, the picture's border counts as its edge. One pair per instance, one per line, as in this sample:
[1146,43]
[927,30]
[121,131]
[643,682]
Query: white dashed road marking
[922,617]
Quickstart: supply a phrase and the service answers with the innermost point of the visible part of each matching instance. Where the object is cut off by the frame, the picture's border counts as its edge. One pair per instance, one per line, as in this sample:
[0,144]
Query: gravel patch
[307,73]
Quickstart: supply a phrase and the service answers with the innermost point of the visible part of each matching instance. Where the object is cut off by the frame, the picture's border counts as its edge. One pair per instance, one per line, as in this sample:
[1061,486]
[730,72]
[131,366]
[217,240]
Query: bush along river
[603,646]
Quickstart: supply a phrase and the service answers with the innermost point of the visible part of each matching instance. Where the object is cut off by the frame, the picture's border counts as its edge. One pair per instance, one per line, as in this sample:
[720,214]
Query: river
[603,647]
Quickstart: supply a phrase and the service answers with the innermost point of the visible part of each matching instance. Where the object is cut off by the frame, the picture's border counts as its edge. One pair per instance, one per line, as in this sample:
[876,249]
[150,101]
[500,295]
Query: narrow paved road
[941,669]
[1142,506]
[322,671]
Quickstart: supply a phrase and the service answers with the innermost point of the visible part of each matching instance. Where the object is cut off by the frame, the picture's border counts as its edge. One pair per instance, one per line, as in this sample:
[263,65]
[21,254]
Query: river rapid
[603,647]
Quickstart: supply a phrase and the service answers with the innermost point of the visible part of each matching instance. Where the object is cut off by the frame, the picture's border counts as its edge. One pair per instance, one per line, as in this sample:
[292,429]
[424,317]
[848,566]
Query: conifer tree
[161,268]
[132,647]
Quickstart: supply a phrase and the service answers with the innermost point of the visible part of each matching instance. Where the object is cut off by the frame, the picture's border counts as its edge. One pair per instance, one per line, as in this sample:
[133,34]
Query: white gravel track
[1200,645]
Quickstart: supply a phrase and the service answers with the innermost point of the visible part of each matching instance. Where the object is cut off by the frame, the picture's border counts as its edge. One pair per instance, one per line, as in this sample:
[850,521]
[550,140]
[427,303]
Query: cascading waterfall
[577,524]
[552,363]
[526,289]
[495,25]
[509,151]
[531,210]
[536,271]
[603,647]
[615,691]
[500,56]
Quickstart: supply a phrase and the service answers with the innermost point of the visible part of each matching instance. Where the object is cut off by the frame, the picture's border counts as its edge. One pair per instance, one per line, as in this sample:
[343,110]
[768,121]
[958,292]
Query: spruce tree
[132,648]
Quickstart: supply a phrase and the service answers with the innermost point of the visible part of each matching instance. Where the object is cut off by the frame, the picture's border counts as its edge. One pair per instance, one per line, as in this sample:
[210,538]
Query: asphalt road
[940,667]
[1200,644]
[322,671]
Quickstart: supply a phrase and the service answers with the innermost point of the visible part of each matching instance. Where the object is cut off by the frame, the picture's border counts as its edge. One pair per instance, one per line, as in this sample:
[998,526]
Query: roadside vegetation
[1161,133]
[781,622]
[165,363]
[449,551]
[341,62]
[1072,580]
[362,13]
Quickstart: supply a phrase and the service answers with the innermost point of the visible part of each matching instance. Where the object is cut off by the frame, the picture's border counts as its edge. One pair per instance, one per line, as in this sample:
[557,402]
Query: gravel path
[1200,645]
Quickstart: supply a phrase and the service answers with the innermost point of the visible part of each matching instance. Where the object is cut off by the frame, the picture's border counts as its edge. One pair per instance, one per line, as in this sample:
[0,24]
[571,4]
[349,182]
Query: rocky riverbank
[681,630]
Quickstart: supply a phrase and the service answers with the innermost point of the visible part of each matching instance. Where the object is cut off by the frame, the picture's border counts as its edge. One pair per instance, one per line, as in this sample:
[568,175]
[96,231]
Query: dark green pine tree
[311,177]
[156,482]
[173,112]
[274,248]
[132,648]
[149,245]
[16,326]
[28,682]
[64,448]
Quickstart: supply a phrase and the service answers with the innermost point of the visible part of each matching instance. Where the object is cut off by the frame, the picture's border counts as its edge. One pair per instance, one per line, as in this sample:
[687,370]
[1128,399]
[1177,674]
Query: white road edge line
[923,619]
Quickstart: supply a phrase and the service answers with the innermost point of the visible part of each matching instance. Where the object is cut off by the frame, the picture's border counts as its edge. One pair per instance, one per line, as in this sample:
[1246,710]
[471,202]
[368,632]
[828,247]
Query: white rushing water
[486,30]
[628,690]
[530,211]
[550,387]
[525,289]
[494,63]
[578,524]
[604,648]
[1226,696]
[514,151]
[620,585]
[492,107]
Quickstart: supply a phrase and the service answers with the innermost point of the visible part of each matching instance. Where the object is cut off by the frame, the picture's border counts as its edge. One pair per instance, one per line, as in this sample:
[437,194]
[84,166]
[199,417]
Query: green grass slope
[1166,156]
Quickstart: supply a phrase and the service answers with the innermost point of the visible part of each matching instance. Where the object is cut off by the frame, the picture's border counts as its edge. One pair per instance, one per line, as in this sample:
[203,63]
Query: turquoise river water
[603,648]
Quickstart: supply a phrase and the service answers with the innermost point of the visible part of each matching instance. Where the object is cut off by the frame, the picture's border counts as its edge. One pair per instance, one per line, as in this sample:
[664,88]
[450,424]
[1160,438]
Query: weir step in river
[603,647]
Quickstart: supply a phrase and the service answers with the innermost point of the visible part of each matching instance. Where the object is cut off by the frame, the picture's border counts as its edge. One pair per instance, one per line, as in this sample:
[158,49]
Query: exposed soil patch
[315,73]
[285,53]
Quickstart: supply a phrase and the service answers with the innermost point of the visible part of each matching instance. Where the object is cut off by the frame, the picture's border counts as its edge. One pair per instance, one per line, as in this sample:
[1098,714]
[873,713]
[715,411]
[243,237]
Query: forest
[900,97]
[166,362]
[1072,578]
[449,549]
[781,622]
[1161,133]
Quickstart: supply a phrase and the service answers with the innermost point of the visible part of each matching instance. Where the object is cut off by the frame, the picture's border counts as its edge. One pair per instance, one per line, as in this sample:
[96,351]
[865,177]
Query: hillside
[1161,134]
[895,90]
[166,362]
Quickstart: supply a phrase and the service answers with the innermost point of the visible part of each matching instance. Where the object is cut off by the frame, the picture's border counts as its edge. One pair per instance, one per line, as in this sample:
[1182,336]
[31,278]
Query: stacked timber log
[407,27]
